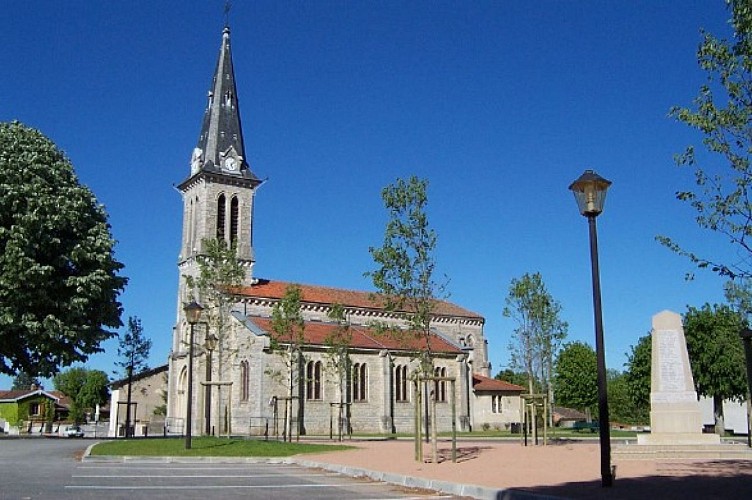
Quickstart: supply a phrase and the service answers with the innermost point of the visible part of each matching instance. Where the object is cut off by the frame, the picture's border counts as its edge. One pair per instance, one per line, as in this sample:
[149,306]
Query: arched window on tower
[234,219]
[221,217]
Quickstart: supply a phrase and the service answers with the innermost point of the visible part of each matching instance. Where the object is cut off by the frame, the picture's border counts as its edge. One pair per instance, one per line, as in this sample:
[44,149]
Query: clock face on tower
[231,164]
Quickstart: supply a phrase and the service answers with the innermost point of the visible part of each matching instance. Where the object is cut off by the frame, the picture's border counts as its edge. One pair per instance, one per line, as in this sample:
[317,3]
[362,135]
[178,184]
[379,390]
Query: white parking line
[220,487]
[152,476]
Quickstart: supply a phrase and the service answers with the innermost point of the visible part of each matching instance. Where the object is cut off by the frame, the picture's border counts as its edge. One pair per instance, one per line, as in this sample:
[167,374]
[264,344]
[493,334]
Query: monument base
[677,438]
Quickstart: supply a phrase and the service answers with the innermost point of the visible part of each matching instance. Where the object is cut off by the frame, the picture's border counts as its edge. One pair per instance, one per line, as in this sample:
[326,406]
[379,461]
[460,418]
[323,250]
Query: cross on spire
[228,6]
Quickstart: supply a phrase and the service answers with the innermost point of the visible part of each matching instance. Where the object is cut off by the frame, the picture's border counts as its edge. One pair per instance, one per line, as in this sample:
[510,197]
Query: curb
[447,487]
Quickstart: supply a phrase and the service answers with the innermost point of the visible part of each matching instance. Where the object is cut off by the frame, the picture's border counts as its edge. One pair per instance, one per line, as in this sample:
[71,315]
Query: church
[238,384]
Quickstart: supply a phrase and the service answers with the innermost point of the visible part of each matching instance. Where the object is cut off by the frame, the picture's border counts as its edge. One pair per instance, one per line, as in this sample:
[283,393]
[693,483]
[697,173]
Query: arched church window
[400,384]
[439,386]
[234,219]
[221,217]
[244,381]
[313,380]
[360,382]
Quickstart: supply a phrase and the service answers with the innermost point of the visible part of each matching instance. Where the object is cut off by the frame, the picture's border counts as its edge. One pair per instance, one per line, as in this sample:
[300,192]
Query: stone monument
[675,417]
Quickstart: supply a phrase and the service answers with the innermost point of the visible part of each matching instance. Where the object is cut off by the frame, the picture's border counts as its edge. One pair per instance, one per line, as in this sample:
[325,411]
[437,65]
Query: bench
[582,426]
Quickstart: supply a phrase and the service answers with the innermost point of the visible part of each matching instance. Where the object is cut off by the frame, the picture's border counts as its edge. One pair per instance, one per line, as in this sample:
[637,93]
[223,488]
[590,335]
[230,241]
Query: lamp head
[590,193]
[210,343]
[193,312]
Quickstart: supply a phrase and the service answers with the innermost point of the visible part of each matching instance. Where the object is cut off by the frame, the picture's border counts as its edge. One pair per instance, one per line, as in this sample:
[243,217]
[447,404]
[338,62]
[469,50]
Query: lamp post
[209,344]
[590,193]
[746,335]
[192,315]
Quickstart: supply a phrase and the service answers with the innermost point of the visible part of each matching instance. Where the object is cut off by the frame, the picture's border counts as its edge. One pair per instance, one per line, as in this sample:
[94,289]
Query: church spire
[220,145]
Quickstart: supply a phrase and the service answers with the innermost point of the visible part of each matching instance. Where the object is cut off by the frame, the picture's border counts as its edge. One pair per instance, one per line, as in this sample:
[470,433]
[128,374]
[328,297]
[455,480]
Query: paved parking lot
[42,468]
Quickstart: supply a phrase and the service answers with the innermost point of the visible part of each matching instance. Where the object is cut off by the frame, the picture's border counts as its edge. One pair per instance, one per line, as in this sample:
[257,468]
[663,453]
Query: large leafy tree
[133,352]
[722,113]
[59,281]
[576,377]
[86,388]
[716,355]
[637,377]
[540,330]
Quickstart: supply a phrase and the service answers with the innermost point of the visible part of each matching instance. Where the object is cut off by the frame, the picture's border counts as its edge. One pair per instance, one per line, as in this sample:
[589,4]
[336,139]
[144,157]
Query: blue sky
[501,105]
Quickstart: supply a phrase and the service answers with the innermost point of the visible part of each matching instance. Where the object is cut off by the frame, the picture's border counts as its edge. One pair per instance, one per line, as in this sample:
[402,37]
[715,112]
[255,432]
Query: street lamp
[590,193]
[746,335]
[210,343]
[192,315]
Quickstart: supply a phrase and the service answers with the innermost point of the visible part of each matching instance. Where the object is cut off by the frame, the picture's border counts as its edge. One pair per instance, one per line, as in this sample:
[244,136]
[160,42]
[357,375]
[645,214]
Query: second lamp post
[192,315]
[210,343]
[590,193]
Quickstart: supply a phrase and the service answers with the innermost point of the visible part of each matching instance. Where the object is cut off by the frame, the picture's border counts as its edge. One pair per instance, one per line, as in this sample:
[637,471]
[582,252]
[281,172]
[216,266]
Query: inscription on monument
[671,368]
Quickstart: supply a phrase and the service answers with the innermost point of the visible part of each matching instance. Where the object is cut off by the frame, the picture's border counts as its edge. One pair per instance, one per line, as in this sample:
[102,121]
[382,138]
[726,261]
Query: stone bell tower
[218,194]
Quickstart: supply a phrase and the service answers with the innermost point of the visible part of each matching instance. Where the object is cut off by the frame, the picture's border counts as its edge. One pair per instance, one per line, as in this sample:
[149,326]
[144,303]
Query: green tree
[513,377]
[287,340]
[86,389]
[537,339]
[576,377]
[23,382]
[637,377]
[716,355]
[721,113]
[405,270]
[220,273]
[620,405]
[338,342]
[133,352]
[59,280]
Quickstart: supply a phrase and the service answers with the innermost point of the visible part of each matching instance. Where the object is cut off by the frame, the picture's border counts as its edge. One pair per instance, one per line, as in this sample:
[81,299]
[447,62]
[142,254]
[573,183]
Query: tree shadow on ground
[720,479]
[464,453]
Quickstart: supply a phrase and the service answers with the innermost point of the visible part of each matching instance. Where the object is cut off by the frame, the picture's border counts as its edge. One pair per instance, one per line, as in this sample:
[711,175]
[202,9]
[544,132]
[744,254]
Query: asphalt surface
[40,468]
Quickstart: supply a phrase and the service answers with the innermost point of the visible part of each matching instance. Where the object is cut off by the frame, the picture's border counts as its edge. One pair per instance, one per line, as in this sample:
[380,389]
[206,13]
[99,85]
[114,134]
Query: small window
[35,409]
[496,406]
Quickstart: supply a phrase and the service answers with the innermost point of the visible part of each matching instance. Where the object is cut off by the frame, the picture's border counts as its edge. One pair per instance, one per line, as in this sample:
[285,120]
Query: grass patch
[209,447]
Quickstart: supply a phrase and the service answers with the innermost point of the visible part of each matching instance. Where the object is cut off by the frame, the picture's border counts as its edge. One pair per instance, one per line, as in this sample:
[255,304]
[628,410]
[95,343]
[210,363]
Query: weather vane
[228,6]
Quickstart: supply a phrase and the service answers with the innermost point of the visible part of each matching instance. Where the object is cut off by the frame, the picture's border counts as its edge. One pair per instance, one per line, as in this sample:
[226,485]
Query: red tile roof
[313,294]
[316,333]
[481,383]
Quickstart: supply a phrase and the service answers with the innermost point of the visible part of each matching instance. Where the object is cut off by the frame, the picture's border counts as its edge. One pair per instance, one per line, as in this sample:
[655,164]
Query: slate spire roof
[221,134]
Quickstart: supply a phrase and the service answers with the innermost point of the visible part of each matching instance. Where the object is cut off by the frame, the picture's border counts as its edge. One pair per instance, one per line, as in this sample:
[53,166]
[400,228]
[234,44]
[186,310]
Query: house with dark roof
[237,379]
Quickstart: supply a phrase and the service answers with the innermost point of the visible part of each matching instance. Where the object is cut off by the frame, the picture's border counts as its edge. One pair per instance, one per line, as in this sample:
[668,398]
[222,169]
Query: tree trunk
[720,427]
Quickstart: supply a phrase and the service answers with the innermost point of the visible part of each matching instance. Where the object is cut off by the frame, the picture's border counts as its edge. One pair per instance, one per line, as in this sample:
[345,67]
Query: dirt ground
[568,469]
